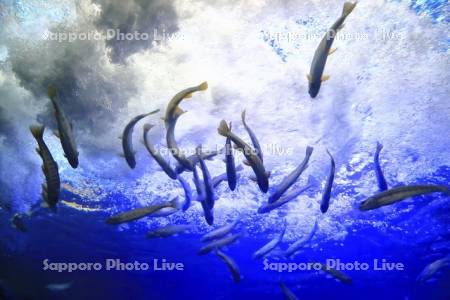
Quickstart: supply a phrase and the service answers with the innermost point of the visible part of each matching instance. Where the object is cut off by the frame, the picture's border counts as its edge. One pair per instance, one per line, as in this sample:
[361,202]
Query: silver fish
[292,249]
[337,274]
[382,184]
[433,268]
[315,77]
[58,287]
[65,130]
[264,250]
[288,294]
[168,230]
[173,112]
[210,196]
[219,232]
[289,180]
[230,164]
[400,193]
[50,190]
[249,153]
[289,196]
[127,139]
[216,244]
[231,264]
[141,212]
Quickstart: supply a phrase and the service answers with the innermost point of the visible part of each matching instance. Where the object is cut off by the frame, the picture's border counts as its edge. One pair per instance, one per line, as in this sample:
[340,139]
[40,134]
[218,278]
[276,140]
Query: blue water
[392,91]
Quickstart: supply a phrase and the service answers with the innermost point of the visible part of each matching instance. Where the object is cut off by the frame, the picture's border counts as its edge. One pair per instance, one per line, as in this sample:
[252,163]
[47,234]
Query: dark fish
[141,212]
[253,137]
[289,180]
[200,187]
[337,274]
[17,222]
[382,184]
[249,153]
[194,159]
[289,196]
[230,165]
[51,189]
[315,77]
[168,230]
[288,294]
[173,112]
[400,193]
[210,196]
[219,232]
[264,250]
[187,193]
[127,139]
[216,244]
[231,264]
[155,154]
[65,130]
[325,203]
[292,249]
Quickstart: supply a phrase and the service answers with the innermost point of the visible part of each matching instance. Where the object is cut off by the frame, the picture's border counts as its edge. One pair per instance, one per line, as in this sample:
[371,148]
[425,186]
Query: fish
[325,203]
[210,196]
[17,222]
[315,76]
[155,154]
[216,180]
[187,193]
[249,153]
[173,112]
[141,212]
[267,248]
[200,188]
[65,130]
[289,180]
[127,138]
[432,268]
[382,184]
[253,137]
[219,243]
[58,287]
[168,230]
[400,193]
[289,196]
[194,159]
[288,294]
[230,165]
[231,264]
[337,274]
[292,249]
[50,190]
[219,232]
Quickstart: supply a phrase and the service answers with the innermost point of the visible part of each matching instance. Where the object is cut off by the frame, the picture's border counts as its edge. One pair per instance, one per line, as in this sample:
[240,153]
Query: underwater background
[389,83]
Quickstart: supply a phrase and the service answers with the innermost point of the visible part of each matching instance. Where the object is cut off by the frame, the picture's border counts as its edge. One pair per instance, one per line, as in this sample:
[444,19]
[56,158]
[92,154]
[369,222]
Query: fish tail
[223,128]
[203,86]
[243,116]
[379,146]
[309,150]
[37,131]
[348,8]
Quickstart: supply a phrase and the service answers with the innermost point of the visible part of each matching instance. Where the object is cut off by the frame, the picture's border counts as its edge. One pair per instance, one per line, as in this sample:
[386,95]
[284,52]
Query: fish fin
[340,27]
[43,169]
[164,119]
[325,78]
[188,96]
[348,8]
[223,128]
[308,76]
[37,131]
[268,173]
[56,133]
[245,162]
[203,86]
[332,51]
[120,137]
[253,178]
[178,112]
[38,151]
